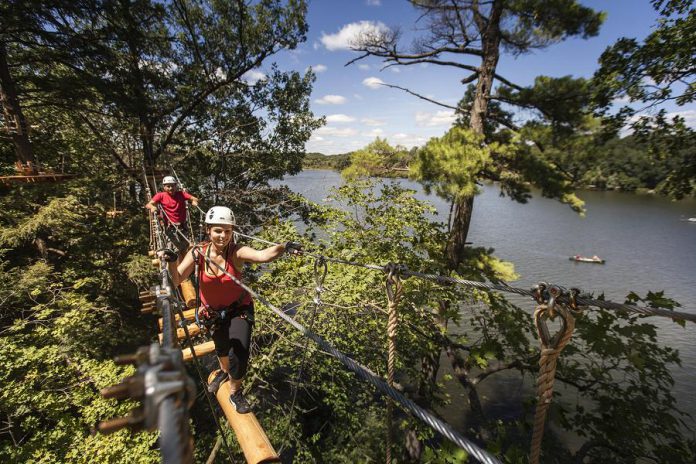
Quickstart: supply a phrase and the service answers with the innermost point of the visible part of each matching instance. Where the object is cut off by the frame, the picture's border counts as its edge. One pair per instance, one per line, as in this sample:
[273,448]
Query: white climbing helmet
[220,215]
[169,180]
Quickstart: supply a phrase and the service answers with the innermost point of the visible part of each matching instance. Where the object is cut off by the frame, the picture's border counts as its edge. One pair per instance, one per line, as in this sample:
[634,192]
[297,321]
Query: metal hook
[393,272]
[549,310]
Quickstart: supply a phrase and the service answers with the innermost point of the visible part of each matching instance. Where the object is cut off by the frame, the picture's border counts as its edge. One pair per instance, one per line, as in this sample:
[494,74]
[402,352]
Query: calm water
[646,243]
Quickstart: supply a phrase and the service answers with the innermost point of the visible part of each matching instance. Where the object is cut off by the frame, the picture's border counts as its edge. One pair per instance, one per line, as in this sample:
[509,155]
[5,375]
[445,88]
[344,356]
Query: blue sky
[357,112]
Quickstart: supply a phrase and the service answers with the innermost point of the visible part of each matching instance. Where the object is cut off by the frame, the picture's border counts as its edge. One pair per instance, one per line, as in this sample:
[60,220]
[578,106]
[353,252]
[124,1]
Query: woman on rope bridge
[226,308]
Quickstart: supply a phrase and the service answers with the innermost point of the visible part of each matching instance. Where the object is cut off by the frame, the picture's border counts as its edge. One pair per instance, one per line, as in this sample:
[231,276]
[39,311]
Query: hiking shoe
[241,405]
[214,384]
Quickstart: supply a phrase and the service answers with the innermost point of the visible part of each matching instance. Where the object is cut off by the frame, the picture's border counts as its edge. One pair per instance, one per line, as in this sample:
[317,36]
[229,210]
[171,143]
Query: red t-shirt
[174,205]
[219,292]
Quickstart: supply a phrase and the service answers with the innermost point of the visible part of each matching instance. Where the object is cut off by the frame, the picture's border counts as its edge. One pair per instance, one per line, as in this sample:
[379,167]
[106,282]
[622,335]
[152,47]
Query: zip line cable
[583,301]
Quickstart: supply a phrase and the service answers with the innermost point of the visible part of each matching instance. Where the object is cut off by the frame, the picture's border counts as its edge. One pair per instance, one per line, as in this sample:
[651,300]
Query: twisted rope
[551,348]
[394,293]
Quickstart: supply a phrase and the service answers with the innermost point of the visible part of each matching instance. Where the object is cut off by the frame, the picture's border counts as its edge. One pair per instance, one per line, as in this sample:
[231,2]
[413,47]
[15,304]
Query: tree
[658,70]
[378,158]
[148,71]
[461,29]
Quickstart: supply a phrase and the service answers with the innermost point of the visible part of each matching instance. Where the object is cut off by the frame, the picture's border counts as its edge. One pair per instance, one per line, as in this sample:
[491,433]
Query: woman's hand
[293,248]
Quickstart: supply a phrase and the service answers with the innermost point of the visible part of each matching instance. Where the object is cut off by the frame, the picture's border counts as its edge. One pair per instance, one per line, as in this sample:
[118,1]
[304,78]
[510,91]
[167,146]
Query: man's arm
[152,204]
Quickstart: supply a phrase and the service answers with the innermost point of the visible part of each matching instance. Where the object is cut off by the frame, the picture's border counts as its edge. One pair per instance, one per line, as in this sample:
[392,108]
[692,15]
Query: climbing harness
[549,307]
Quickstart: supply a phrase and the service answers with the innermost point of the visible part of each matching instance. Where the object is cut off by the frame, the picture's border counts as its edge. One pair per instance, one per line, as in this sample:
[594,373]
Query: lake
[645,240]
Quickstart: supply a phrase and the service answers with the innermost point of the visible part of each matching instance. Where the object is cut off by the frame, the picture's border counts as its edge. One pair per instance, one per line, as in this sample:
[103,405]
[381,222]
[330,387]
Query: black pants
[232,338]
[174,234]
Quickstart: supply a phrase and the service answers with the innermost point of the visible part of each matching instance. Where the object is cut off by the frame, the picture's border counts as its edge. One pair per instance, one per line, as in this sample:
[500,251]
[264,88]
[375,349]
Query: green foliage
[653,70]
[453,166]
[321,161]
[378,159]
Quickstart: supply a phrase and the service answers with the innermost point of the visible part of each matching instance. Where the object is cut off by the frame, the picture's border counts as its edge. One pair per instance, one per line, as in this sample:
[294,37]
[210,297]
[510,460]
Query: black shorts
[177,236]
[232,338]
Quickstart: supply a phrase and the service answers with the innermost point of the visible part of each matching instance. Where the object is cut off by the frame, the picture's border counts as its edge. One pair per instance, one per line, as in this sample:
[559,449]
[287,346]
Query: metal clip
[549,309]
[394,272]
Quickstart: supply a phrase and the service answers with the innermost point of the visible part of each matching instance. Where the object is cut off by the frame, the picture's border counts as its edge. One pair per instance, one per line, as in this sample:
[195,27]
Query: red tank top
[219,292]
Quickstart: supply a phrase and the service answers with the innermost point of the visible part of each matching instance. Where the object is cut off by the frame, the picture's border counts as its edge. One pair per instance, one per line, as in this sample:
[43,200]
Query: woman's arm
[249,255]
[182,271]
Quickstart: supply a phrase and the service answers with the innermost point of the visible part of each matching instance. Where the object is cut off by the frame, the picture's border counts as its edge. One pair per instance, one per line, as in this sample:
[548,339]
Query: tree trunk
[463,206]
[459,230]
[14,118]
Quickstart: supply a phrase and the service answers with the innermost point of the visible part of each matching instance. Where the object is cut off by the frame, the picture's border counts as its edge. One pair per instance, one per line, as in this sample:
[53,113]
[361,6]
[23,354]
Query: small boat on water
[584,259]
[693,219]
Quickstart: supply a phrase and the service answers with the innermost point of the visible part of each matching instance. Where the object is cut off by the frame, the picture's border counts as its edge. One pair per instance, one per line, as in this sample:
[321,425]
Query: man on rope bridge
[227,310]
[173,204]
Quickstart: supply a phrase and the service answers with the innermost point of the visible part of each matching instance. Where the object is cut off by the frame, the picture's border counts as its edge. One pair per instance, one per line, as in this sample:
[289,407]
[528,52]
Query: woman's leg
[238,355]
[240,340]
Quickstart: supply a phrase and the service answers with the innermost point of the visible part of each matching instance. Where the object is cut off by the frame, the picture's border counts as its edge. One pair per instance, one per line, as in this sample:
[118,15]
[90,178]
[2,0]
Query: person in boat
[226,307]
[596,258]
[173,204]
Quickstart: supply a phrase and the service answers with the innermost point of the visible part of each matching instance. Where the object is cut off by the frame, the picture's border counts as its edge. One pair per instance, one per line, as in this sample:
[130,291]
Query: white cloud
[373,82]
[331,100]
[319,68]
[318,138]
[395,70]
[348,35]
[339,118]
[373,133]
[373,122]
[441,118]
[336,131]
[408,140]
[316,45]
[253,76]
[364,67]
[357,96]
[689,117]
[374,2]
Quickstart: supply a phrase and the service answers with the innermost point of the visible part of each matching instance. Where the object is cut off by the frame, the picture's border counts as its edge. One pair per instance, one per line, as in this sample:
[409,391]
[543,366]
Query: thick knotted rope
[551,348]
[394,292]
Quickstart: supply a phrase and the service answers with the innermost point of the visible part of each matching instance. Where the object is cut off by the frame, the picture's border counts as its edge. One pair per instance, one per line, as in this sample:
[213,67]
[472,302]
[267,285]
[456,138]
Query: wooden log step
[189,293]
[201,350]
[251,437]
[189,315]
[193,329]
